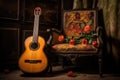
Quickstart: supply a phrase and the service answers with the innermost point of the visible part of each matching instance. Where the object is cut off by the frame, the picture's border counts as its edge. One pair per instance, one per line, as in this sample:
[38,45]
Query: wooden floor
[57,74]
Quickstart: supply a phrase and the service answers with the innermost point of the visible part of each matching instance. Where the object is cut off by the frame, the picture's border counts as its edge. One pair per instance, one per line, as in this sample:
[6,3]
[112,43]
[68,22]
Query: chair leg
[100,67]
[100,64]
[50,68]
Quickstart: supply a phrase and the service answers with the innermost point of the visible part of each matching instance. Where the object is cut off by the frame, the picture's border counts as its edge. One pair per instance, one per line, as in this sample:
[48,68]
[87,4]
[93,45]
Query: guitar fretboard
[36,26]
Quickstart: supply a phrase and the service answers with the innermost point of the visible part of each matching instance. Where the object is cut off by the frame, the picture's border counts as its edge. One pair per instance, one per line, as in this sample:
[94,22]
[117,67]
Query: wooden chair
[80,36]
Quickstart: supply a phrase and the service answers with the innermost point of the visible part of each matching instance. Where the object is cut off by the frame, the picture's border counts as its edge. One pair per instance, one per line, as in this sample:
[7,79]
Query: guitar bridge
[33,61]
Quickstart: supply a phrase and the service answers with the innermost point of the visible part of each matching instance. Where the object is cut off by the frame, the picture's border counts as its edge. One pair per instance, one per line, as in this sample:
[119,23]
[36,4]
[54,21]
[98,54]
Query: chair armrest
[53,39]
[99,31]
[56,31]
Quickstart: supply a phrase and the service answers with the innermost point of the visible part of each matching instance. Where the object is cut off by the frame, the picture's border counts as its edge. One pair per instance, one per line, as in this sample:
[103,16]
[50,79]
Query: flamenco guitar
[34,60]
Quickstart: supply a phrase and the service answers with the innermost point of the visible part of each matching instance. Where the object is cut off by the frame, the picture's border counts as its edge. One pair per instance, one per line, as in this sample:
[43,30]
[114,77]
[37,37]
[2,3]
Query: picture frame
[74,21]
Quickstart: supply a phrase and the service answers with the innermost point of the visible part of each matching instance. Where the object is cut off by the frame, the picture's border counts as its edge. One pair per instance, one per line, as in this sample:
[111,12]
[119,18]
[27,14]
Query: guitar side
[33,61]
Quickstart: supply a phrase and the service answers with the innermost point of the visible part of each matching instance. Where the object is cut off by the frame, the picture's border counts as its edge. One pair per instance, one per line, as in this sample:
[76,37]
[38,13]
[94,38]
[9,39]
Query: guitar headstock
[37,11]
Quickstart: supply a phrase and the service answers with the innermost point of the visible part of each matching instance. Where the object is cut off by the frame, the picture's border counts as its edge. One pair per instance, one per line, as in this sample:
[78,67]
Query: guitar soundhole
[34,46]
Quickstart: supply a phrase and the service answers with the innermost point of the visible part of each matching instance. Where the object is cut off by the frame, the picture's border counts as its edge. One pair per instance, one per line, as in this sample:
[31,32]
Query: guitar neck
[36,28]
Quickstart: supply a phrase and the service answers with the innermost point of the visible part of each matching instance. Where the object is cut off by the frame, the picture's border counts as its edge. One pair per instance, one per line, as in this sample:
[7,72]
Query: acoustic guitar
[34,60]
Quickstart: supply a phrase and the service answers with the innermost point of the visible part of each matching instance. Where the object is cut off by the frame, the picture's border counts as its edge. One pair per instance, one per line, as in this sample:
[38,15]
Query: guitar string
[35,33]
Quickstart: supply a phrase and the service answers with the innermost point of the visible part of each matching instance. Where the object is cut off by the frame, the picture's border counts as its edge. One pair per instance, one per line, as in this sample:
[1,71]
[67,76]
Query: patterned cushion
[77,47]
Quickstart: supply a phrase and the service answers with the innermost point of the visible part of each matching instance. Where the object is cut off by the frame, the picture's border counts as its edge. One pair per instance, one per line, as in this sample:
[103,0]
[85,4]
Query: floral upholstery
[79,32]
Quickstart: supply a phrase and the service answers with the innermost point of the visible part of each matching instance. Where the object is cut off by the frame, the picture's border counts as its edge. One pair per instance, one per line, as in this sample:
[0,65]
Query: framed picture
[9,9]
[76,21]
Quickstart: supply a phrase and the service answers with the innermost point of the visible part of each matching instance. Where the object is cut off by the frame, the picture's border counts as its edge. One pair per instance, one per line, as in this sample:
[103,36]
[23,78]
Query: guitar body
[33,60]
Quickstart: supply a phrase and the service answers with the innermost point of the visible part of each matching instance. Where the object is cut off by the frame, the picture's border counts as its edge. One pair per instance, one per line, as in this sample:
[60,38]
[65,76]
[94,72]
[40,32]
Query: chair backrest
[79,23]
